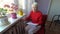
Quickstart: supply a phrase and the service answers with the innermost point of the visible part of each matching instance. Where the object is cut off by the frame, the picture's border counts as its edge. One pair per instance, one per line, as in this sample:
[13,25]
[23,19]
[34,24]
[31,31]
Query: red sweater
[35,17]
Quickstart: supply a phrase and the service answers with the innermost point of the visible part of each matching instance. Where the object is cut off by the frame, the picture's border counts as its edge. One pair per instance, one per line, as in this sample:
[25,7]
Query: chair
[56,21]
[42,30]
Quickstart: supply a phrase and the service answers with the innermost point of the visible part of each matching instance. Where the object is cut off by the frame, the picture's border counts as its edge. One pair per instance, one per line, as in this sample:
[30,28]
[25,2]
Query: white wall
[54,10]
[44,5]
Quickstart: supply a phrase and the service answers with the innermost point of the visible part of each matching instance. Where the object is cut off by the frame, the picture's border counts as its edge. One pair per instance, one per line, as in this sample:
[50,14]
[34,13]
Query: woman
[35,19]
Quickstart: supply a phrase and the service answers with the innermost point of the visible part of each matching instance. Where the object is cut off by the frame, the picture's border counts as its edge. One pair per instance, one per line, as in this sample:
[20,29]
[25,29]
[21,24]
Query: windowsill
[11,21]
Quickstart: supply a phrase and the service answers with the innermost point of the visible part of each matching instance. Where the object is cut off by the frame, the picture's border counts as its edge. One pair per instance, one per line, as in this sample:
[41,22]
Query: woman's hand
[37,25]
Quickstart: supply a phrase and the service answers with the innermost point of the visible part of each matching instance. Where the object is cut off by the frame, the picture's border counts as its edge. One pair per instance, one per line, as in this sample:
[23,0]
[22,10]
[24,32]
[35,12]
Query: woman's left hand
[37,25]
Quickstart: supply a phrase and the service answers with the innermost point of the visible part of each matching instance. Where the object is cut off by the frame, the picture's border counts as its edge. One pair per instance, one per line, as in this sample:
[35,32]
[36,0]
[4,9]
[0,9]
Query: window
[24,4]
[2,2]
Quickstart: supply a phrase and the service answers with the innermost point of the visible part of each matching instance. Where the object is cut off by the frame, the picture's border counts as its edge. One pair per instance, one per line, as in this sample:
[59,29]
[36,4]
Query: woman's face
[34,8]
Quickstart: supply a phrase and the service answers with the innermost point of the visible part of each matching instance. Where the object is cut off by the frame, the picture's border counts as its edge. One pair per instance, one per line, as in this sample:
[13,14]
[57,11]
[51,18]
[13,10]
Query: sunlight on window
[2,2]
[22,4]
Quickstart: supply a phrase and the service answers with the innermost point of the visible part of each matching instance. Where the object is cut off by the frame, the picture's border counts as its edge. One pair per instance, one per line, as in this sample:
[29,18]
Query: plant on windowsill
[2,12]
[3,18]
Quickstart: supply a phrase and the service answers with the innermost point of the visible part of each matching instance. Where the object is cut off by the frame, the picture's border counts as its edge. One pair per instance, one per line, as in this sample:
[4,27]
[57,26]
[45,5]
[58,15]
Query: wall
[44,5]
[54,10]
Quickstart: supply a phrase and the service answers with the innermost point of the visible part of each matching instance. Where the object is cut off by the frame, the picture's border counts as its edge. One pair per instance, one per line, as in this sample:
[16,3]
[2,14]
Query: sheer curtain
[30,5]
[26,5]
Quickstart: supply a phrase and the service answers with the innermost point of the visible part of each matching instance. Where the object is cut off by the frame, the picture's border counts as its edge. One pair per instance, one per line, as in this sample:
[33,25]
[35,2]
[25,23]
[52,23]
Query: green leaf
[5,9]
[0,9]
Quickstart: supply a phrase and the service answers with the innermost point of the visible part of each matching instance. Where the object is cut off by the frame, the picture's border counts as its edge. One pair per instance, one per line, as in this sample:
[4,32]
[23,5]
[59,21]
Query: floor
[53,30]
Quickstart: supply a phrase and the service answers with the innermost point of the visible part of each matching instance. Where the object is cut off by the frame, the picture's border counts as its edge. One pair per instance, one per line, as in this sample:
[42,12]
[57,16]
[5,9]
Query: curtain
[29,6]
[26,5]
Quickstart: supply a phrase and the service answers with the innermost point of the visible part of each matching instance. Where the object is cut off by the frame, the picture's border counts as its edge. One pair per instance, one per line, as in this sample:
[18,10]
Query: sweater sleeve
[40,21]
[29,17]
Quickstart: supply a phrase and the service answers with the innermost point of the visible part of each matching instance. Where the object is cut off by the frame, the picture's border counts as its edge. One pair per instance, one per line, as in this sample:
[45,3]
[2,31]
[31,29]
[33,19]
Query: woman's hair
[35,4]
